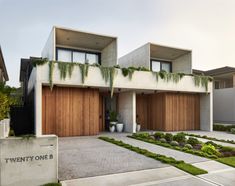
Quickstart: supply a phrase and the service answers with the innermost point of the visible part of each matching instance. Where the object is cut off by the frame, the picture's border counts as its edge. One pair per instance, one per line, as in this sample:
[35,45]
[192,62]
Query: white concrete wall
[137,58]
[28,162]
[224,105]
[140,81]
[206,112]
[183,64]
[4,128]
[109,54]
[127,110]
[49,49]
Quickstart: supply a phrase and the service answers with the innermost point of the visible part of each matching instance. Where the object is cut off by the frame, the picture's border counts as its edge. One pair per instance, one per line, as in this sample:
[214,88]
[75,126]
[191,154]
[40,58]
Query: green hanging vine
[202,81]
[51,70]
[84,71]
[112,74]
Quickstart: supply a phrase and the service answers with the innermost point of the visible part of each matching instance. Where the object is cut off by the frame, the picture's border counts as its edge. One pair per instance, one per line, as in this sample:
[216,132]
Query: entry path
[178,155]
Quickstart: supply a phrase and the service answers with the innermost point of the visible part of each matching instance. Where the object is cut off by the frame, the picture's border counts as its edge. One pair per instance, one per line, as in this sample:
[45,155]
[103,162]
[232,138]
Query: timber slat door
[70,111]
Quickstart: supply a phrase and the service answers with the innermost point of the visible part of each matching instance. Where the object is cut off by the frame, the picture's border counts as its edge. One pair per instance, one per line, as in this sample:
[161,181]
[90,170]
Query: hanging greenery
[39,61]
[105,73]
[51,70]
[202,81]
[84,71]
[112,73]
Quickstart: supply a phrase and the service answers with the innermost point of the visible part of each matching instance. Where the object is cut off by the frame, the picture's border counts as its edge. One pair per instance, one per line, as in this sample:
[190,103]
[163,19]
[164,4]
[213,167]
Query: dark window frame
[160,61]
[77,50]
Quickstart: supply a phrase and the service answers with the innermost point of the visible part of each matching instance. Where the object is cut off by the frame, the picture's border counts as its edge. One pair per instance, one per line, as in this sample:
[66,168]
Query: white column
[206,111]
[127,110]
[38,107]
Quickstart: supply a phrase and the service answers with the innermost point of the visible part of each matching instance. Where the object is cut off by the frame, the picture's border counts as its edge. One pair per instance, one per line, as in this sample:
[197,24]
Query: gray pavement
[162,176]
[88,156]
[178,155]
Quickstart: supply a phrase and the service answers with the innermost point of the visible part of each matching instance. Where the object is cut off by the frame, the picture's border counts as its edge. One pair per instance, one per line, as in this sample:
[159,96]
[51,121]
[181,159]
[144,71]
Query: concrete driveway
[81,157]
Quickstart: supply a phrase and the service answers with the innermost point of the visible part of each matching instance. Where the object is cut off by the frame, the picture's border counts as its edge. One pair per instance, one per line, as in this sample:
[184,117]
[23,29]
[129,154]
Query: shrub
[232,130]
[212,143]
[4,106]
[188,146]
[223,127]
[169,137]
[193,141]
[226,149]
[159,135]
[163,140]
[180,137]
[197,147]
[174,143]
[142,135]
[209,149]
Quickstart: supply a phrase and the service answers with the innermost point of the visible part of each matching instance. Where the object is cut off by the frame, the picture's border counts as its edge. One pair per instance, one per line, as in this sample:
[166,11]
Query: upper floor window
[157,66]
[70,55]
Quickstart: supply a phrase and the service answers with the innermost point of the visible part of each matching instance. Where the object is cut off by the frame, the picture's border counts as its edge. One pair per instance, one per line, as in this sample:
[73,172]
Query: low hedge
[223,127]
[164,159]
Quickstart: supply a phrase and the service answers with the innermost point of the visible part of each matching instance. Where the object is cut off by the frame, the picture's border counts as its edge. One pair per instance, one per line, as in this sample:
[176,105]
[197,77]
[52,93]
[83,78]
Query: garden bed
[191,145]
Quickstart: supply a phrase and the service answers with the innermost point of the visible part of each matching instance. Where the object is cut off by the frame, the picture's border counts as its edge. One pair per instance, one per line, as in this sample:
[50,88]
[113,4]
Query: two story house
[3,70]
[224,93]
[78,80]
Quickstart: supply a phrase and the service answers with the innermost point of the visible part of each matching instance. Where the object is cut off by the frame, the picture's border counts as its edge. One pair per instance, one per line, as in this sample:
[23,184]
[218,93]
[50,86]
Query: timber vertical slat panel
[169,111]
[70,111]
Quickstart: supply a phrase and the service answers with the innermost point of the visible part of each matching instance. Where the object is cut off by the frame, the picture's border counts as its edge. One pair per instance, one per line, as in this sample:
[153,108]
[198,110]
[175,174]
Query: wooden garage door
[168,111]
[70,111]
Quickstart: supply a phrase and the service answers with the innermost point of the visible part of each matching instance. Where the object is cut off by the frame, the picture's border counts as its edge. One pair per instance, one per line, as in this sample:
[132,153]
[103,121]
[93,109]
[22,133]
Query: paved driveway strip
[88,156]
[178,155]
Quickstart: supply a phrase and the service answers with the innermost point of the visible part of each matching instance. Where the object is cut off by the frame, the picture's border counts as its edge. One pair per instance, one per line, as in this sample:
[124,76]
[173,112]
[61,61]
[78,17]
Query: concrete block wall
[137,58]
[183,64]
[127,110]
[224,105]
[28,162]
[109,54]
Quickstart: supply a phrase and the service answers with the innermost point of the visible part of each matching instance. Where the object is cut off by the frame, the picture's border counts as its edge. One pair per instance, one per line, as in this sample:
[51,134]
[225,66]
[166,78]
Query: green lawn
[228,161]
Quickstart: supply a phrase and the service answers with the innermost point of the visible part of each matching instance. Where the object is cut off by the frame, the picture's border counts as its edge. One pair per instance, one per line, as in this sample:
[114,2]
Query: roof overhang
[79,39]
[166,52]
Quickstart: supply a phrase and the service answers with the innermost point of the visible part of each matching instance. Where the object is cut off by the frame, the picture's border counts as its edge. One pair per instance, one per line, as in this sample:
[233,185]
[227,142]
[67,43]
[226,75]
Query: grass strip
[228,161]
[210,138]
[167,145]
[164,159]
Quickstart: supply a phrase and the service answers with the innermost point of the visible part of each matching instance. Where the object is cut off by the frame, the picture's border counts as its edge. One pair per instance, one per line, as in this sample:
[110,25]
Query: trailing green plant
[84,71]
[39,61]
[164,159]
[112,74]
[202,81]
[51,65]
[128,72]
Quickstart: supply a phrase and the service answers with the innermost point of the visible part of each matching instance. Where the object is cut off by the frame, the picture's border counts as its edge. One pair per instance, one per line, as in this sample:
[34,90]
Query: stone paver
[189,158]
[89,156]
[161,176]
[213,166]
[225,178]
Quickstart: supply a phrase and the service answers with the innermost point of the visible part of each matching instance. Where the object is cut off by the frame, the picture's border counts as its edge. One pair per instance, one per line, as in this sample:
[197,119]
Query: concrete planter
[119,127]
[112,125]
[138,127]
[28,161]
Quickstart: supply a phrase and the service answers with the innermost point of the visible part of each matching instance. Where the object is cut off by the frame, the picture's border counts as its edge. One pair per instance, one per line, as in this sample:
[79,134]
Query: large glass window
[68,55]
[157,66]
[79,57]
[64,55]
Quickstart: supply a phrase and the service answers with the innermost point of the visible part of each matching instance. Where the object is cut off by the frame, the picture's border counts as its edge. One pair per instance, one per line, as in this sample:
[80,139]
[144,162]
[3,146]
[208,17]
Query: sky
[207,27]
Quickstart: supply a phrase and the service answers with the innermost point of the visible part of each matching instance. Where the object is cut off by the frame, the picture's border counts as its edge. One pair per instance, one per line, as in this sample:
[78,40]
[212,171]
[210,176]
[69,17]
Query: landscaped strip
[210,138]
[164,159]
[228,161]
[163,144]
[209,149]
